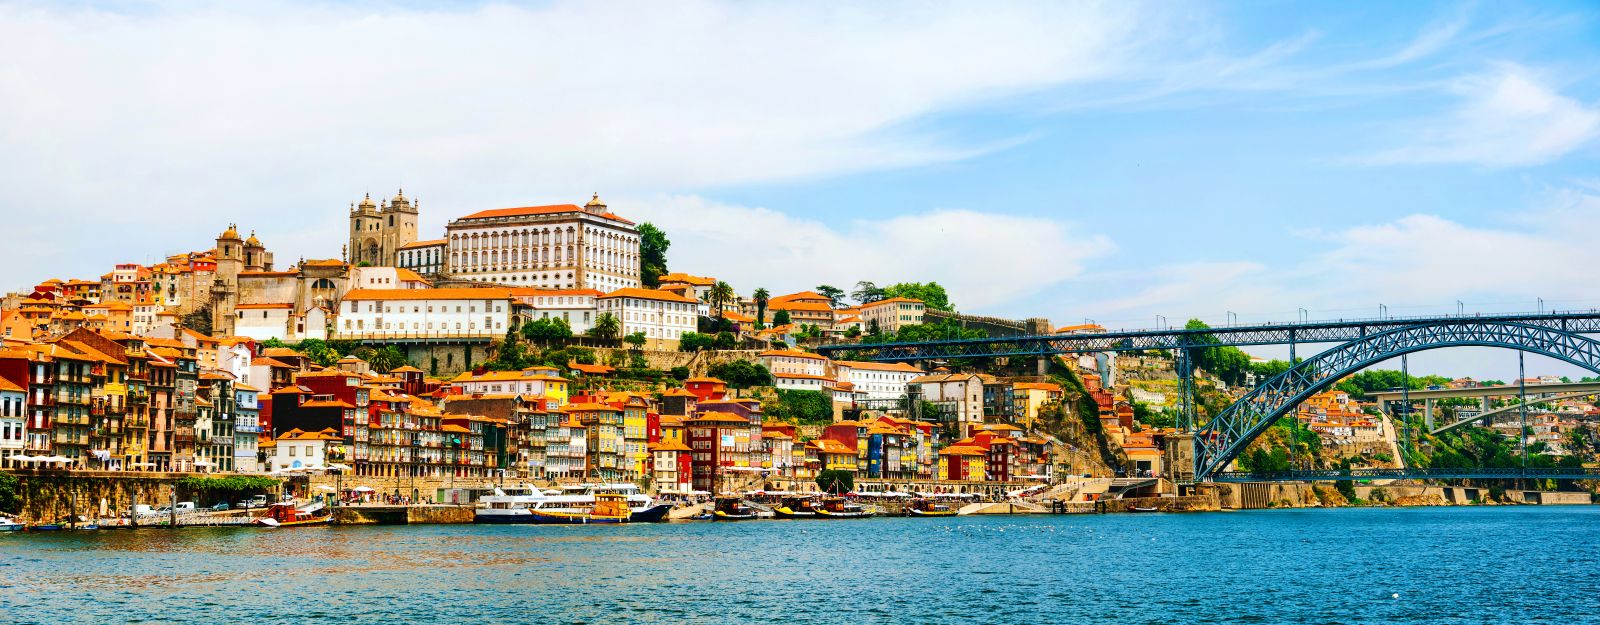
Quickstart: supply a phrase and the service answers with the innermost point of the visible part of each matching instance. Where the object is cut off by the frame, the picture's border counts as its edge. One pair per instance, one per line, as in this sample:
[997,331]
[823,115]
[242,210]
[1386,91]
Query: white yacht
[517,507]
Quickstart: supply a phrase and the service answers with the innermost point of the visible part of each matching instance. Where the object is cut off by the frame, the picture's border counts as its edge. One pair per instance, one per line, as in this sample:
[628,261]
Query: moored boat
[1142,509]
[732,509]
[796,508]
[838,508]
[608,508]
[929,507]
[285,514]
[8,525]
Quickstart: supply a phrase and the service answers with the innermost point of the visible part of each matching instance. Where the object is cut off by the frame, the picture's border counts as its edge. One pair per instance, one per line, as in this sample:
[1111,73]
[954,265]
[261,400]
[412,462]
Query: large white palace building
[560,246]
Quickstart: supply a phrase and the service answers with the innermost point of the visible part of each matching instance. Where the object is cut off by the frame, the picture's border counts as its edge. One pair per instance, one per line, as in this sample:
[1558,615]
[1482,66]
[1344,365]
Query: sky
[1121,162]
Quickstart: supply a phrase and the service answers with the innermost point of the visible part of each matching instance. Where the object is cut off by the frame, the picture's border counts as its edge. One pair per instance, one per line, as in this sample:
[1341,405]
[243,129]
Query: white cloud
[1508,117]
[1417,264]
[157,126]
[984,260]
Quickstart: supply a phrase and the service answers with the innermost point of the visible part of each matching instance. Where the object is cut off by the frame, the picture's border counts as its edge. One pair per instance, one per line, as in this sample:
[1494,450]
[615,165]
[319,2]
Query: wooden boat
[796,508]
[8,525]
[608,508]
[837,508]
[285,514]
[732,509]
[1142,509]
[929,507]
[653,514]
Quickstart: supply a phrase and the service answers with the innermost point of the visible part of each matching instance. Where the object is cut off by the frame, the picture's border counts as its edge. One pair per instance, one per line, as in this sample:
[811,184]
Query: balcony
[61,437]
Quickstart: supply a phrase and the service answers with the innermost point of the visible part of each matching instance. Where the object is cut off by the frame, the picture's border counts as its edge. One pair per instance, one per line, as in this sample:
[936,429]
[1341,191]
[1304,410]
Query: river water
[1406,565]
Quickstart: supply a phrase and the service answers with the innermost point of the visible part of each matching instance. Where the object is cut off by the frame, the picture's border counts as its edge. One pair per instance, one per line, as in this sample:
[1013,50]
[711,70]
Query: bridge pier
[1427,413]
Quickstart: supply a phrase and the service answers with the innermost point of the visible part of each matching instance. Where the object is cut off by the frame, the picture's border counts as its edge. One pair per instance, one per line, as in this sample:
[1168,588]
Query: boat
[929,507]
[732,509]
[608,508]
[285,514]
[8,525]
[838,508]
[520,506]
[1142,509]
[796,508]
[45,527]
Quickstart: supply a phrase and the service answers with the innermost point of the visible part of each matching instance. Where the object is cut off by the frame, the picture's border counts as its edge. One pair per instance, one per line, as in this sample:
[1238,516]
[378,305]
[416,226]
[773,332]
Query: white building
[878,380]
[386,278]
[423,257]
[529,383]
[576,306]
[395,313]
[889,314]
[279,321]
[234,357]
[246,427]
[663,317]
[560,246]
[296,449]
[13,412]
[796,370]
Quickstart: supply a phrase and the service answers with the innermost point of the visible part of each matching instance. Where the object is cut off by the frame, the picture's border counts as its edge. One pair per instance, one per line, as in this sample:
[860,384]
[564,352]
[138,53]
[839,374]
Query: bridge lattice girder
[1226,435]
[1262,334]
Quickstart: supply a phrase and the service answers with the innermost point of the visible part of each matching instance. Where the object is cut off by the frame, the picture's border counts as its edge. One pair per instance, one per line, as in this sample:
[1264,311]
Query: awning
[363,489]
[325,487]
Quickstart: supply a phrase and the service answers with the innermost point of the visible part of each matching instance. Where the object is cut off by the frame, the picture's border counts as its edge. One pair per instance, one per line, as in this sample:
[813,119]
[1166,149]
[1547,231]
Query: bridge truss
[1540,473]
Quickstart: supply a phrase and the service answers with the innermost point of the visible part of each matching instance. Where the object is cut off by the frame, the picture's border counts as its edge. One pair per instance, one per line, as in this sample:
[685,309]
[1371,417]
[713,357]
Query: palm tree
[384,360]
[721,293]
[761,296]
[606,326]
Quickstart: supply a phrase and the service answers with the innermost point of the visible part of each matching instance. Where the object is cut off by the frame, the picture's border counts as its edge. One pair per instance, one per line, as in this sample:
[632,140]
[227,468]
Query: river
[1356,565]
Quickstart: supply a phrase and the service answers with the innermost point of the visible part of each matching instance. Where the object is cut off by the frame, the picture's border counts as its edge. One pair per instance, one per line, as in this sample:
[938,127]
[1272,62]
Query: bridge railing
[1542,473]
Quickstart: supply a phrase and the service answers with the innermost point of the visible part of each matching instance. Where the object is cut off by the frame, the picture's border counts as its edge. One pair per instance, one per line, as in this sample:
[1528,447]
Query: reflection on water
[1301,566]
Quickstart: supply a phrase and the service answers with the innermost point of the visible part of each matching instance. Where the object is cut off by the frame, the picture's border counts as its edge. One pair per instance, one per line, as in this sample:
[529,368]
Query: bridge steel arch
[1226,435]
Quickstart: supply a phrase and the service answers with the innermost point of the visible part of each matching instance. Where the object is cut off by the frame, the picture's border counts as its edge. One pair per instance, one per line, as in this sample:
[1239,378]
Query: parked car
[185,506]
[142,510]
[220,506]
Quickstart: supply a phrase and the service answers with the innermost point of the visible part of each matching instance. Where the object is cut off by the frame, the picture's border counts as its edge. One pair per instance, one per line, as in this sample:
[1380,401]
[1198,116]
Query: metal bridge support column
[1405,404]
[1427,413]
[1522,396]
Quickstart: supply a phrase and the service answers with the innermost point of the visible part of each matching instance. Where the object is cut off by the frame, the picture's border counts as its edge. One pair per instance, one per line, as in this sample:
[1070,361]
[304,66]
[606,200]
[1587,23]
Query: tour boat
[8,525]
[285,514]
[836,508]
[796,508]
[929,507]
[520,508]
[608,508]
[732,509]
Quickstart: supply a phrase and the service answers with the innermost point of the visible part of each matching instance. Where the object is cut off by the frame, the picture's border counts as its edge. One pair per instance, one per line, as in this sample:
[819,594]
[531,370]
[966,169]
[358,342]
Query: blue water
[1448,565]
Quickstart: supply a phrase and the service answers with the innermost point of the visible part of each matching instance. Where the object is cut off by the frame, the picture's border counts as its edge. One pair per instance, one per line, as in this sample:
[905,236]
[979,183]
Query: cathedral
[377,231]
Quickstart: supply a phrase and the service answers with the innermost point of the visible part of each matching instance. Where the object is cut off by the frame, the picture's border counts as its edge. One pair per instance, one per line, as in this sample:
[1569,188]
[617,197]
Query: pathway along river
[1396,565]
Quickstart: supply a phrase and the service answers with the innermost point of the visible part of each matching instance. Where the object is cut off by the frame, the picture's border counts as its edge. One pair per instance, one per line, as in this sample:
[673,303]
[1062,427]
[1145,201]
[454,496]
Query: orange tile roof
[877,366]
[688,279]
[528,211]
[892,300]
[415,244]
[718,417]
[800,306]
[534,292]
[426,294]
[793,353]
[263,306]
[650,294]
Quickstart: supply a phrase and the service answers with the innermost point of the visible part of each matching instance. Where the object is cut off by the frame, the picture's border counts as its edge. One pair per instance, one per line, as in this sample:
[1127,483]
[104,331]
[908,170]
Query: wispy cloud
[1508,116]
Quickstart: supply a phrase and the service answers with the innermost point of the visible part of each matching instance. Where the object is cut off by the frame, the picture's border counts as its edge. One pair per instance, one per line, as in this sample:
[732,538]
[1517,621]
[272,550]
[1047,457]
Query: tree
[9,502]
[385,359]
[606,326]
[653,246]
[866,292]
[635,341]
[695,342]
[781,318]
[932,295]
[319,352]
[741,373]
[680,373]
[837,481]
[761,296]
[720,295]
[835,295]
[802,407]
[544,331]
[725,340]
[271,343]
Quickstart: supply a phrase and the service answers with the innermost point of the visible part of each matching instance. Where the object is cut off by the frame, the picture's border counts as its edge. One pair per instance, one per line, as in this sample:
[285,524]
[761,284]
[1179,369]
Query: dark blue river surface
[1447,565]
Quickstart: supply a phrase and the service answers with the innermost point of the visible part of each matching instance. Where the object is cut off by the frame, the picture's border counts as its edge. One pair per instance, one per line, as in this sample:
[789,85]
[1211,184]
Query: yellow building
[962,463]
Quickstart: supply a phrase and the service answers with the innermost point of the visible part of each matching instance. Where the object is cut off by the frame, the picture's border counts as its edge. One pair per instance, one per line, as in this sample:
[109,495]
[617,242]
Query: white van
[184,506]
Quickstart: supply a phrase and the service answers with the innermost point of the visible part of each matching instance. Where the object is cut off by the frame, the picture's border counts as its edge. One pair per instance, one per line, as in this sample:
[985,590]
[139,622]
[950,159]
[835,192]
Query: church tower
[225,283]
[377,232]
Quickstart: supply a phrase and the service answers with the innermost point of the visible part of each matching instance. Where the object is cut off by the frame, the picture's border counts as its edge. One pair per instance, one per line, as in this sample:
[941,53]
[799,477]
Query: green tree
[694,342]
[932,294]
[720,295]
[725,340]
[835,295]
[761,296]
[606,326]
[836,481]
[802,407]
[680,373]
[9,501]
[318,351]
[781,318]
[741,373]
[635,341]
[385,359]
[653,246]
[866,292]
[547,330]
[271,343]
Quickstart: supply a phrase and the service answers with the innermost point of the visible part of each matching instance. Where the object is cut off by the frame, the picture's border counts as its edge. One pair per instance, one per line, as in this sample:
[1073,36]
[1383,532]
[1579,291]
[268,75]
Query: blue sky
[1110,161]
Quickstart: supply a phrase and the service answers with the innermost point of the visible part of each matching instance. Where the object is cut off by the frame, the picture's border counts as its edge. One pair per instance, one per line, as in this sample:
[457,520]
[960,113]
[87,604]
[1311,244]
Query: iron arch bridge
[1222,439]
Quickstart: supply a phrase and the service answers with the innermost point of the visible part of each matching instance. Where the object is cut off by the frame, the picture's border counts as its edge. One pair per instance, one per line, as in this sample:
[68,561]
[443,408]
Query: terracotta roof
[877,366]
[800,306]
[828,445]
[705,380]
[324,403]
[963,450]
[426,294]
[415,244]
[263,306]
[533,292]
[718,417]
[793,353]
[688,279]
[528,211]
[669,445]
[651,294]
[892,300]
